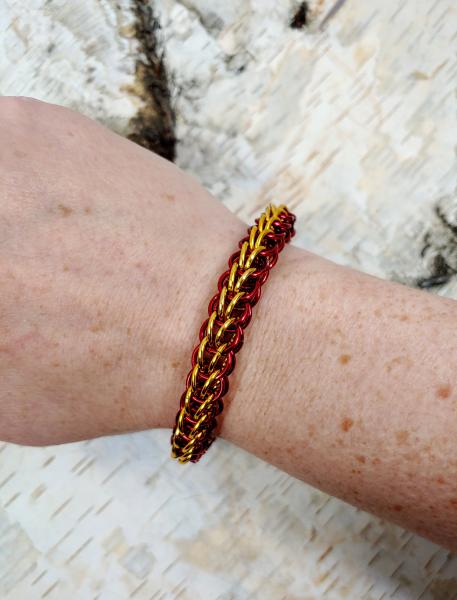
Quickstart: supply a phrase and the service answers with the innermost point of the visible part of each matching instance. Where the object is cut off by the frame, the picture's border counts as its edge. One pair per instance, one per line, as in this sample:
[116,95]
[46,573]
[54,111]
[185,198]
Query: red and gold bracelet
[221,335]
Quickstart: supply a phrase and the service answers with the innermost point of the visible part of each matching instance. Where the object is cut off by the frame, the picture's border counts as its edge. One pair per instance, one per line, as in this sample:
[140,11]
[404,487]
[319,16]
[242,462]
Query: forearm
[348,383]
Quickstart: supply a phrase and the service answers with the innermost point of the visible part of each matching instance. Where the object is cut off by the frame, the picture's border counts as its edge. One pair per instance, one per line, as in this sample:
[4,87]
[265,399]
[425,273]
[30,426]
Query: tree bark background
[346,111]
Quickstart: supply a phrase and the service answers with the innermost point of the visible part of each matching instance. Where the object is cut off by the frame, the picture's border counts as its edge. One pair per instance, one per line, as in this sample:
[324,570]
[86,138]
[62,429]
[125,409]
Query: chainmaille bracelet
[221,335]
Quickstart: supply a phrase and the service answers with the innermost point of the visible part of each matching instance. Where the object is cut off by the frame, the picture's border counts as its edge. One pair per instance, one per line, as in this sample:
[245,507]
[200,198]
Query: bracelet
[221,335]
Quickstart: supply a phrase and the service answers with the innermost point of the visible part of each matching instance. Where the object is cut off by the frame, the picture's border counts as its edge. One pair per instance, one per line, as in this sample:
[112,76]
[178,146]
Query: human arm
[109,256]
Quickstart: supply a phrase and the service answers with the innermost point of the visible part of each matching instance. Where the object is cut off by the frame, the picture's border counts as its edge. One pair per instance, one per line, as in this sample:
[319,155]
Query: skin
[109,256]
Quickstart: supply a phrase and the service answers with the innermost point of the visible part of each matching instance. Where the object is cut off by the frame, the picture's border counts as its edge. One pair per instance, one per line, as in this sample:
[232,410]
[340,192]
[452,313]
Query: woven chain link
[221,335]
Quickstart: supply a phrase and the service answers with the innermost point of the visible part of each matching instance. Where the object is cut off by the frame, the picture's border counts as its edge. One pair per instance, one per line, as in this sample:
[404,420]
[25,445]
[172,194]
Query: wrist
[263,376]
[177,305]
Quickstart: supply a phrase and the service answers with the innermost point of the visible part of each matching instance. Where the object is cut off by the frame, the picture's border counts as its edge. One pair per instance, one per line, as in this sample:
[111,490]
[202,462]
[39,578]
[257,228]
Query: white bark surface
[352,122]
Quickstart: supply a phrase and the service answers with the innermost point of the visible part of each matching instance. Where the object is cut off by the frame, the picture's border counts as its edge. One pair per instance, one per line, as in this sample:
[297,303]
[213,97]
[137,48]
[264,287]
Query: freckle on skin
[398,507]
[345,358]
[402,436]
[440,479]
[346,424]
[361,459]
[376,461]
[65,211]
[96,327]
[443,391]
[169,197]
[88,210]
[391,363]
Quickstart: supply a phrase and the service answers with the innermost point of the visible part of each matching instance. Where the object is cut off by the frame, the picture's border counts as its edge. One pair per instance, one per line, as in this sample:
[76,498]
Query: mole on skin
[64,210]
[345,358]
[444,391]
[346,424]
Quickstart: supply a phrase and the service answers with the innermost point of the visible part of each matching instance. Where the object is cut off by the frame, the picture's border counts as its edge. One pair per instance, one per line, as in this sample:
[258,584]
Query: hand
[107,255]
